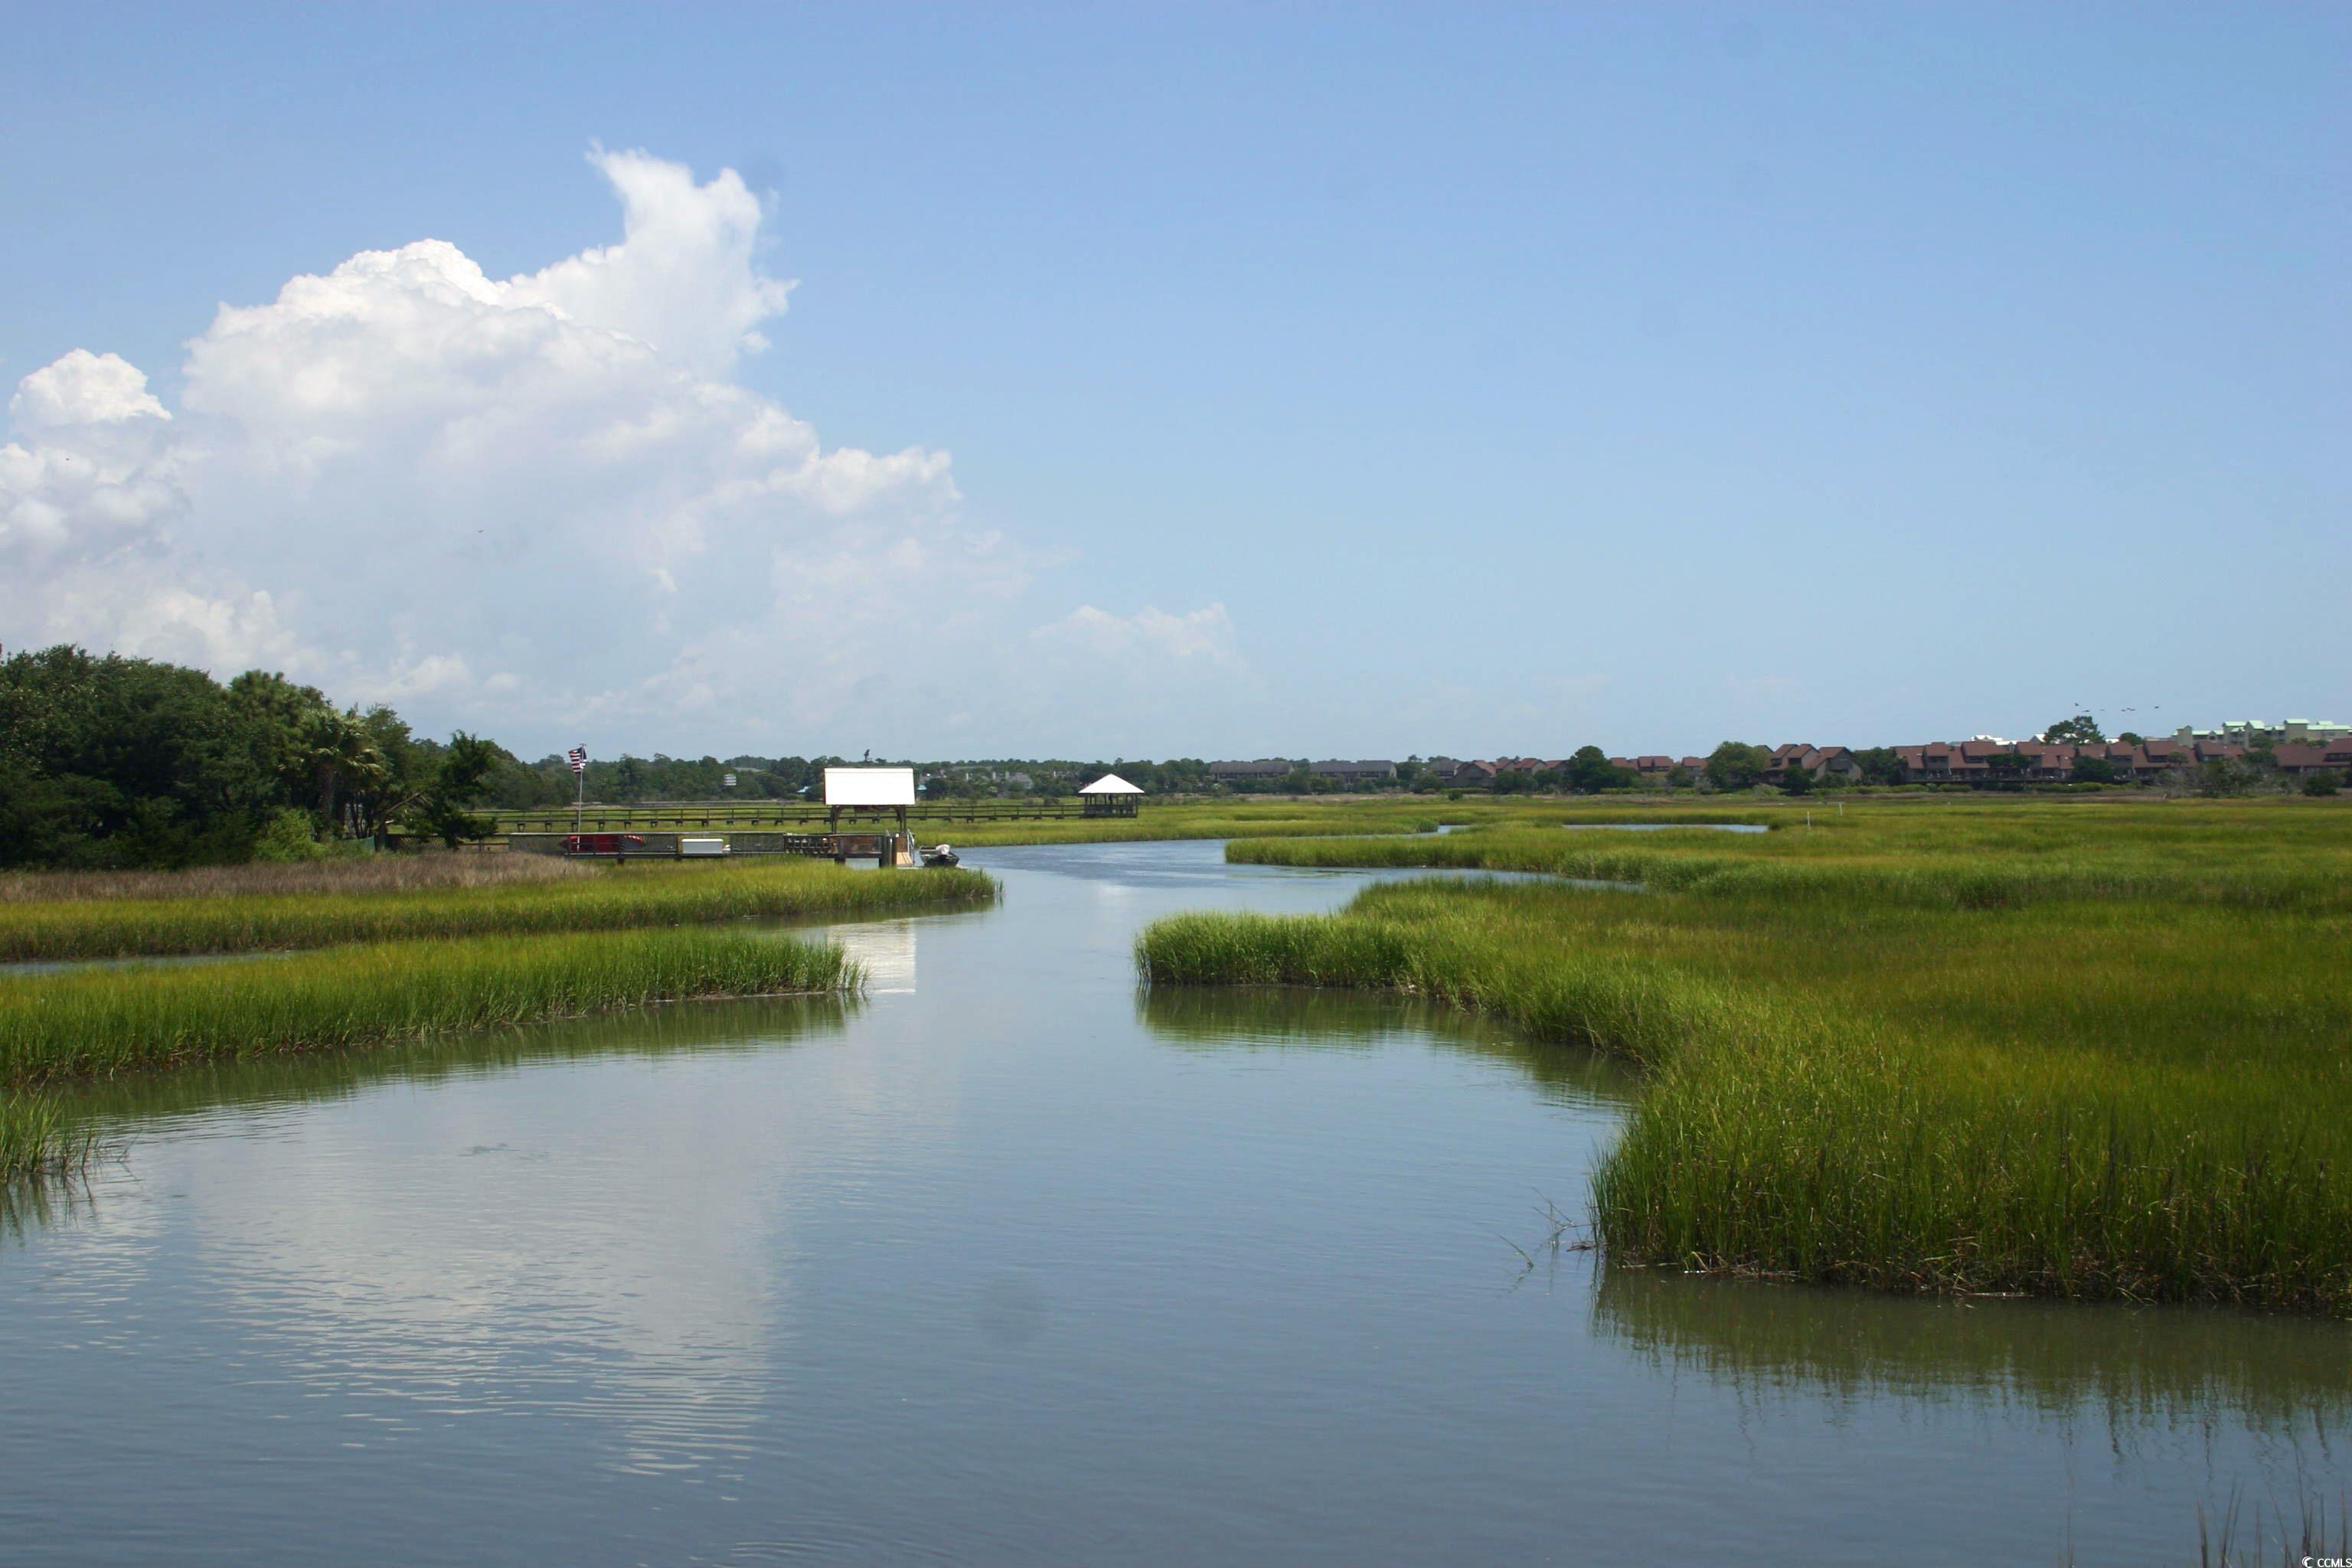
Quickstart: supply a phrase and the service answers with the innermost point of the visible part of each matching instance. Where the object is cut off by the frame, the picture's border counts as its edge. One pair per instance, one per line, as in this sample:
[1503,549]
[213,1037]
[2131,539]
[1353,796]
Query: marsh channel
[1009,1262]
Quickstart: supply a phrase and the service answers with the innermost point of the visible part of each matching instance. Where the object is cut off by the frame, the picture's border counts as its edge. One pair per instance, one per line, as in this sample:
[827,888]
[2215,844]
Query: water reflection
[553,1242]
[37,1203]
[257,1082]
[2136,1371]
[2186,1405]
[1666,826]
[1288,1017]
[887,951]
[28,968]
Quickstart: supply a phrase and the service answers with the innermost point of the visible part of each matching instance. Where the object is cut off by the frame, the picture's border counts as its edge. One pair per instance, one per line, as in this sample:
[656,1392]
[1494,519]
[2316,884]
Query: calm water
[1004,1264]
[1664,826]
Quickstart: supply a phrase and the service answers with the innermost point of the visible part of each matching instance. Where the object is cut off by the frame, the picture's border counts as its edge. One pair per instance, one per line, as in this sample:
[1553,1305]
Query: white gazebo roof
[1111,784]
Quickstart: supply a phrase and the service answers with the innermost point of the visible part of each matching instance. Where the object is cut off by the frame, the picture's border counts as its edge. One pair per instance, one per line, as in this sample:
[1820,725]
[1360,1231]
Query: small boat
[940,855]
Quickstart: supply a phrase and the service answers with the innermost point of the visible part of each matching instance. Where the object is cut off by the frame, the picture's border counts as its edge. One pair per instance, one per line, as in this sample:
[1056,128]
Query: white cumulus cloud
[532,505]
[682,277]
[84,388]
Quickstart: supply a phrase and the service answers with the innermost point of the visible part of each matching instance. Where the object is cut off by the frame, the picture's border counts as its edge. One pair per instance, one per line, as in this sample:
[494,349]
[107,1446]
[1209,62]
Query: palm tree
[345,764]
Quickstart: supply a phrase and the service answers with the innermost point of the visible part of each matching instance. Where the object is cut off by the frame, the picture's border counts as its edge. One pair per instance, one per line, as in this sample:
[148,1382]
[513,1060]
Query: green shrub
[287,838]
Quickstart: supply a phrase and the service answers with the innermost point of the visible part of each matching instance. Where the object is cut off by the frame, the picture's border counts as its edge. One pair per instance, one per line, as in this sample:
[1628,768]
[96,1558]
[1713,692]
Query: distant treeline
[109,761]
[112,762]
[626,780]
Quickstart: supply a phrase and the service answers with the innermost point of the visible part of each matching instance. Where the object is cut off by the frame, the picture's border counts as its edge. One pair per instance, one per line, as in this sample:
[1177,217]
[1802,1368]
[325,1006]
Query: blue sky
[1315,379]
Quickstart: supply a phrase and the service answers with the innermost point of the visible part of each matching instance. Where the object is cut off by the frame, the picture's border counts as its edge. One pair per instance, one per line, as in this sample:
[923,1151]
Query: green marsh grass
[2256,854]
[384,873]
[605,897]
[2014,1049]
[99,1023]
[38,1138]
[1239,817]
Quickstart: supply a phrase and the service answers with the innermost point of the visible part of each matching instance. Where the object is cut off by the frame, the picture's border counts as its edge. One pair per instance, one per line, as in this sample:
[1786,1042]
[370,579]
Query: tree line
[108,760]
[112,761]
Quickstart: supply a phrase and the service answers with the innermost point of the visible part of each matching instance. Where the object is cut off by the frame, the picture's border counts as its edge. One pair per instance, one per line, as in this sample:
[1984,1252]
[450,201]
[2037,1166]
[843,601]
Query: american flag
[579,756]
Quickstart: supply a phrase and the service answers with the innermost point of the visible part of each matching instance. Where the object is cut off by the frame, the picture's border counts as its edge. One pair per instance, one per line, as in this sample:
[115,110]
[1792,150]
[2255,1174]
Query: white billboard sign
[869,786]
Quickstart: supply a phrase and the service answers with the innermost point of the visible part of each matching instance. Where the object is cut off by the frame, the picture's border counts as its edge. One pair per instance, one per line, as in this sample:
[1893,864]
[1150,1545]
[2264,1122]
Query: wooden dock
[674,816]
[883,846]
[729,829]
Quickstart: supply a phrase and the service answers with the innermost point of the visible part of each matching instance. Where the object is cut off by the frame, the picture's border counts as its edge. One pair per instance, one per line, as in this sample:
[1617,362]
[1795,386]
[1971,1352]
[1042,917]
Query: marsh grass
[577,897]
[56,1027]
[357,874]
[2124,1076]
[1256,816]
[2256,854]
[38,1138]
[2222,1534]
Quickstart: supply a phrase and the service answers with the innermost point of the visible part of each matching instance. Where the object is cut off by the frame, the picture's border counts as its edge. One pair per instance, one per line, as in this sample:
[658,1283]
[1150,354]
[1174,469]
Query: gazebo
[1110,795]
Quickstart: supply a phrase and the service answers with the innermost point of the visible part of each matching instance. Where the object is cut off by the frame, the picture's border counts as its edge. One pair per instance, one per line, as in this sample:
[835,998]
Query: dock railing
[779,814]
